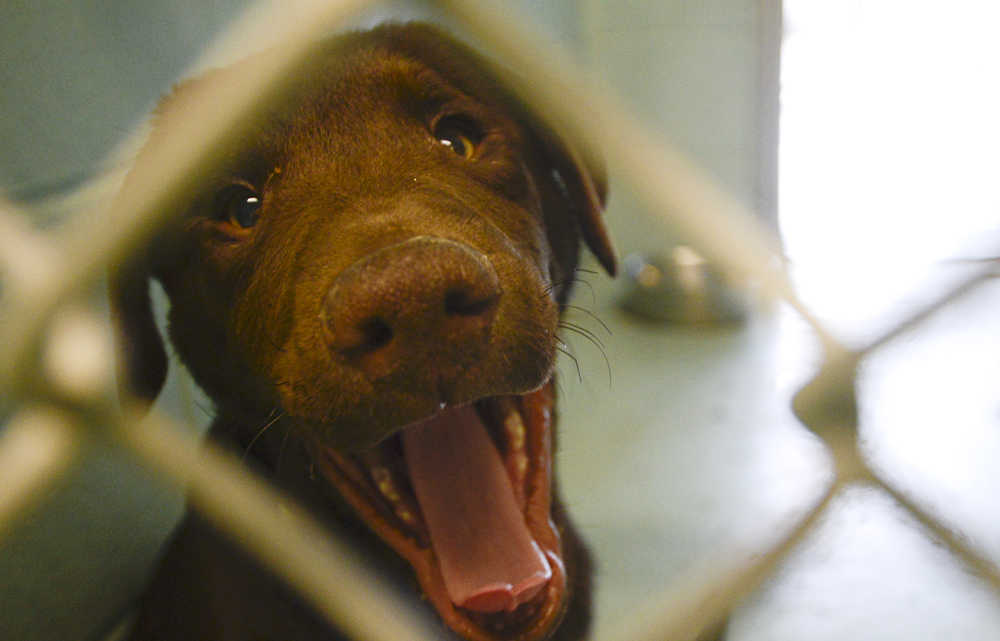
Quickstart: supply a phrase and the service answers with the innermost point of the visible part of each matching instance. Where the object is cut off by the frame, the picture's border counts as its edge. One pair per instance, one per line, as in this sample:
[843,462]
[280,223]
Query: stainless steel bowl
[680,286]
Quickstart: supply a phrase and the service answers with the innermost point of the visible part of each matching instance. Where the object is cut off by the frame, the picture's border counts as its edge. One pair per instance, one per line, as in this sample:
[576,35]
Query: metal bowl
[679,286]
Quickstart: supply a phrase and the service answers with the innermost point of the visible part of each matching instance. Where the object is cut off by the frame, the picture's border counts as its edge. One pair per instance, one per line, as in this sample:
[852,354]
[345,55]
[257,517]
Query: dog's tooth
[385,483]
[513,426]
[406,516]
[521,464]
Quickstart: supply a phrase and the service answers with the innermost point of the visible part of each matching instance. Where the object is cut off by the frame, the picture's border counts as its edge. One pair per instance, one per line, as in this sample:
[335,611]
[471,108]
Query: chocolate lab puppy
[369,286]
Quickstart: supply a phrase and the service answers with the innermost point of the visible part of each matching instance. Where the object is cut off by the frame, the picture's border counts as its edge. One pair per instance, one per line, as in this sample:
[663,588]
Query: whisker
[589,335]
[551,286]
[261,431]
[579,373]
[564,348]
[582,331]
[592,315]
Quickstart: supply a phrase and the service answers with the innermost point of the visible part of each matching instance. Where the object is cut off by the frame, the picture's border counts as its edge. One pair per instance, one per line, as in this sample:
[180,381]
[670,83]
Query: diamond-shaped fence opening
[55,369]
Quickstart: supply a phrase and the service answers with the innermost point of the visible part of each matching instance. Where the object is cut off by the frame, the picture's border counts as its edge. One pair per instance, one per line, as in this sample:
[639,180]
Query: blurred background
[863,132]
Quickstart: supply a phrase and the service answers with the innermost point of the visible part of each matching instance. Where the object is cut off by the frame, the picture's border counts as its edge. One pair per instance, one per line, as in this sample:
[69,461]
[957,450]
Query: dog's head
[390,247]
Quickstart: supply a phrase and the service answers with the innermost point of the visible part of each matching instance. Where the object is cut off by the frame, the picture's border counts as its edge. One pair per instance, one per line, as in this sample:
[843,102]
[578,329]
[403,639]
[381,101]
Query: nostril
[460,302]
[376,333]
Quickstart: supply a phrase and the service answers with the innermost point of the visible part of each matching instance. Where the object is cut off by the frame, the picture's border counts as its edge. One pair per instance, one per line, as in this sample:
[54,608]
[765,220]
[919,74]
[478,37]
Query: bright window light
[890,148]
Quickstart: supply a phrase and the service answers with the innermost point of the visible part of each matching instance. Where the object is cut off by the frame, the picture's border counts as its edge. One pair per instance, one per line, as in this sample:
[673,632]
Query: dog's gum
[371,472]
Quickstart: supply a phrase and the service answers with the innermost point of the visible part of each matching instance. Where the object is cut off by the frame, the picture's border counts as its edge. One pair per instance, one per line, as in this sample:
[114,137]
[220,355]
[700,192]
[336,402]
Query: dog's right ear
[141,357]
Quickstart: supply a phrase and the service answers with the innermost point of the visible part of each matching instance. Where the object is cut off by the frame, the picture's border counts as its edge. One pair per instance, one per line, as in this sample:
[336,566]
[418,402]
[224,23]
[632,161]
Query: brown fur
[353,185]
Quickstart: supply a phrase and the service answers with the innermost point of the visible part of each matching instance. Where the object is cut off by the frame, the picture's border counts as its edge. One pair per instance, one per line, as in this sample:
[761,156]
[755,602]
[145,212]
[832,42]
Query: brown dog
[377,274]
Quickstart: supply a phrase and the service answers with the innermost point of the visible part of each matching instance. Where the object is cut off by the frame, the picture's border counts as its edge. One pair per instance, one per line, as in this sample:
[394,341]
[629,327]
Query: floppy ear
[141,357]
[583,185]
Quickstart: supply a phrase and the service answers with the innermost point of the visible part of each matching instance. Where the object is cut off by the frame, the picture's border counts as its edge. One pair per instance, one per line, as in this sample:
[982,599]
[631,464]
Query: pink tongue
[488,558]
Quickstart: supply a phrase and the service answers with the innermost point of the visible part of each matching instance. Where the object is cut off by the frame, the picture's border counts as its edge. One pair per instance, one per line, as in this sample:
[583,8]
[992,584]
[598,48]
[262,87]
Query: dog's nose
[427,302]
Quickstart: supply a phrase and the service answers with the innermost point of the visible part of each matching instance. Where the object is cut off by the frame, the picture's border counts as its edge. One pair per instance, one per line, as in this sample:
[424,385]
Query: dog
[368,285]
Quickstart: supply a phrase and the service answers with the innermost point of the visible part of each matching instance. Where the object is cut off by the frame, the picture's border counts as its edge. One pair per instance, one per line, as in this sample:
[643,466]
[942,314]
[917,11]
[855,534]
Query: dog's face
[382,264]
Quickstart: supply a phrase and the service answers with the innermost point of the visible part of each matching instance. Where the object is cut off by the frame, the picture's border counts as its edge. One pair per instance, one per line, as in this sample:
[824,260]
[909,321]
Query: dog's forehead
[358,98]
[370,87]
[349,101]
[417,60]
[369,84]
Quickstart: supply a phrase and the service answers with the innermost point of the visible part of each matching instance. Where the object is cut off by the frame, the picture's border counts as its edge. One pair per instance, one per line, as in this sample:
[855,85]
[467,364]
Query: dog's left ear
[583,184]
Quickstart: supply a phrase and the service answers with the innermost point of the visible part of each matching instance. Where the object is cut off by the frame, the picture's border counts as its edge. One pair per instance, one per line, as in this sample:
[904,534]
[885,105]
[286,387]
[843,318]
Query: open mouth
[464,496]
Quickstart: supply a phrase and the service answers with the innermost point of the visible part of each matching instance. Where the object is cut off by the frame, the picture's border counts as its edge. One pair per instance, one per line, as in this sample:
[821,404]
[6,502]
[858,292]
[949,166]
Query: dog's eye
[239,205]
[459,134]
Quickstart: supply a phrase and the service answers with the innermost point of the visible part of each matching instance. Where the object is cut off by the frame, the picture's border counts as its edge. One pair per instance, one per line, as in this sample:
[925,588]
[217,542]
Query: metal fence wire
[56,365]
